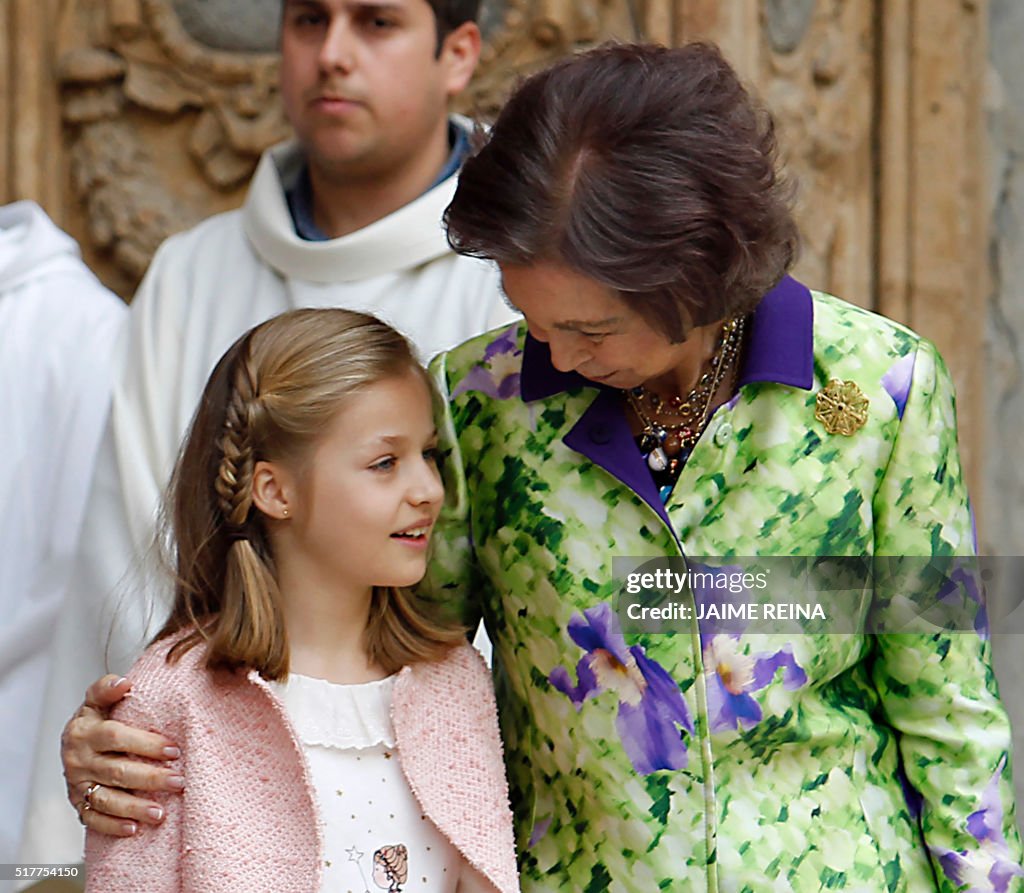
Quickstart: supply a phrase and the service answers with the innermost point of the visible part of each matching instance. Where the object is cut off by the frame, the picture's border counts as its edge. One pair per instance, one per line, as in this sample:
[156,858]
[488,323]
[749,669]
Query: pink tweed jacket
[248,819]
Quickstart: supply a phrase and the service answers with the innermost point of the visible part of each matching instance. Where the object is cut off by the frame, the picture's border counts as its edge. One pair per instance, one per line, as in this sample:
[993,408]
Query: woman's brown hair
[271,396]
[650,170]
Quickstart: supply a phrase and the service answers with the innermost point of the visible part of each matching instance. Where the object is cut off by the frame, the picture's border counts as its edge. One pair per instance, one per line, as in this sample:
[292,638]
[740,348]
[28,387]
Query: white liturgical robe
[58,330]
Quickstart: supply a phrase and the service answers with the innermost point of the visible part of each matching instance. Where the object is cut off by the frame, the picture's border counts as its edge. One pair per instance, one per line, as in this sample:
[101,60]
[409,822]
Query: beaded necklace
[671,428]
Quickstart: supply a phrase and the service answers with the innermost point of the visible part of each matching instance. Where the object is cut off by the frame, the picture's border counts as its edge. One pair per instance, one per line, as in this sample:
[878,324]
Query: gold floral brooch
[841,407]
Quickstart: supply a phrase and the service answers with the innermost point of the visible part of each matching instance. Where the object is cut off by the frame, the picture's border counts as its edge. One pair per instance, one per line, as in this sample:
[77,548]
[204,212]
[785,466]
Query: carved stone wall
[816,75]
[932,250]
[162,130]
[32,163]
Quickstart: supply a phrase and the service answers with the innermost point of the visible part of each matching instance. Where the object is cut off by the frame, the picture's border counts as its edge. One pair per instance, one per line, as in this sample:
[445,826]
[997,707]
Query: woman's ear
[272,490]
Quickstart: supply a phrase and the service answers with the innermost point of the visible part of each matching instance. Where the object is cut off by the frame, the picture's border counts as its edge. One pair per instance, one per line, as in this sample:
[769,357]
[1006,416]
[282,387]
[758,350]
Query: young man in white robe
[58,333]
[347,215]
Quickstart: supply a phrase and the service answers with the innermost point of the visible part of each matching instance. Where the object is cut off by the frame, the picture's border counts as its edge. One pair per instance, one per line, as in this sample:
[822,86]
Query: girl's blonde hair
[271,396]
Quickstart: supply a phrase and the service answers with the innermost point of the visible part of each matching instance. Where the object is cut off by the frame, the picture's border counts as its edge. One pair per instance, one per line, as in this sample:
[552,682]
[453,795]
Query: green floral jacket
[702,759]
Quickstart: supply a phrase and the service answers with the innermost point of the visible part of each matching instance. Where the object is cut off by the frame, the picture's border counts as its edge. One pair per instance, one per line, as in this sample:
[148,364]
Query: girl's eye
[385,464]
[432,455]
[596,337]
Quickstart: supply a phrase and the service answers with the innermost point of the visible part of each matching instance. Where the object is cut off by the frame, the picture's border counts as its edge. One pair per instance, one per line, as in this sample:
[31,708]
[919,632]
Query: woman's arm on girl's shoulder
[149,859]
[98,750]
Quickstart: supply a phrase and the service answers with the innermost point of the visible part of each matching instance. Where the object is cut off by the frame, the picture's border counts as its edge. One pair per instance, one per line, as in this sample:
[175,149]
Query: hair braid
[234,474]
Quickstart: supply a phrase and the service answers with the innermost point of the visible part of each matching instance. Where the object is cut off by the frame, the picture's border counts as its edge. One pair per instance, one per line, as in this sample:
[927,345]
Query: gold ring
[82,809]
[92,789]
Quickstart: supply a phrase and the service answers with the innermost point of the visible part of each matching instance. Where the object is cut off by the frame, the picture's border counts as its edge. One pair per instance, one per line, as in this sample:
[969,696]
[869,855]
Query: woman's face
[592,331]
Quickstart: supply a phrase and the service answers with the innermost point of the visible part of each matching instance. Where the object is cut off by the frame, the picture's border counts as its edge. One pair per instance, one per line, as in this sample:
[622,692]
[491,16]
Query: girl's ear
[272,490]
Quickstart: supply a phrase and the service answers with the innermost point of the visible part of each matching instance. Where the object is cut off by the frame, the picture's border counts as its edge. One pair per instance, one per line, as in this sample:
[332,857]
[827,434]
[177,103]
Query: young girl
[335,733]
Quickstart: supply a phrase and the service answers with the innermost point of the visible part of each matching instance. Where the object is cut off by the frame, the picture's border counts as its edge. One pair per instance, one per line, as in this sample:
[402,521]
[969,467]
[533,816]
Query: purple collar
[780,348]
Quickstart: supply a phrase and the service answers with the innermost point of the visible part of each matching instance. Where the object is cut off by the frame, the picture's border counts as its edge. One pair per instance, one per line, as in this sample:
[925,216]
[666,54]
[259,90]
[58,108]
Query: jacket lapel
[445,722]
[602,435]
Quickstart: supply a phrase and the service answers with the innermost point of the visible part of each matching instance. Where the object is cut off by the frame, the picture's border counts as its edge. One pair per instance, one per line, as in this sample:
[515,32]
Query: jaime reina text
[746,611]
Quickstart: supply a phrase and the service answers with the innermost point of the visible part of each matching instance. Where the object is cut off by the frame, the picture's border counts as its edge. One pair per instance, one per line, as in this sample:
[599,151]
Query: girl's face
[370,492]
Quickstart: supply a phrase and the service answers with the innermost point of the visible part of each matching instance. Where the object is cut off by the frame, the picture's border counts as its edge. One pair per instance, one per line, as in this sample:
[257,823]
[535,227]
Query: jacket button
[723,434]
[600,434]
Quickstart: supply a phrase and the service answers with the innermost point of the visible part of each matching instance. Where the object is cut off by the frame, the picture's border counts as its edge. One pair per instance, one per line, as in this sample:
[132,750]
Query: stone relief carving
[535,32]
[786,22]
[165,129]
[249,27]
[132,79]
[817,80]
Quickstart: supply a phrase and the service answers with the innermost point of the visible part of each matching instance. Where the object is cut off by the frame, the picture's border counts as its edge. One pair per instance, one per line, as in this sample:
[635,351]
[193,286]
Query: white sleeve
[60,338]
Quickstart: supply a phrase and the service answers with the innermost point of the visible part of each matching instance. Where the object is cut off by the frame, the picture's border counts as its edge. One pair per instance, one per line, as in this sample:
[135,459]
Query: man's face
[362,83]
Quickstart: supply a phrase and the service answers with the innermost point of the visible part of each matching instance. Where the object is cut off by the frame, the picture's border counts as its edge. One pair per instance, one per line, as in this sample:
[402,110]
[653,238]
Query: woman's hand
[101,769]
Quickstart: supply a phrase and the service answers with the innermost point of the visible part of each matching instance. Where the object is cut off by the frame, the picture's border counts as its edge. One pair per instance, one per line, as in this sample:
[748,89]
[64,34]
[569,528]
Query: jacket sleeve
[150,859]
[451,571]
[936,682]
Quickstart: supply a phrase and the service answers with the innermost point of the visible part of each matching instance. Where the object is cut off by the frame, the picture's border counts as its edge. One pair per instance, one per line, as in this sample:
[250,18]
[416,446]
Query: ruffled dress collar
[326,714]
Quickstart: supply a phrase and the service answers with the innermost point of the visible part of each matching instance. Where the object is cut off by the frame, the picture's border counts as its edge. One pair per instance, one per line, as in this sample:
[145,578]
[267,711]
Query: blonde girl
[322,711]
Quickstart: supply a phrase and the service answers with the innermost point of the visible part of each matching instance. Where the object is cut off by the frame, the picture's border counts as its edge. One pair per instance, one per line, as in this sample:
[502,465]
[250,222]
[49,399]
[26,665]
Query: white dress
[376,837]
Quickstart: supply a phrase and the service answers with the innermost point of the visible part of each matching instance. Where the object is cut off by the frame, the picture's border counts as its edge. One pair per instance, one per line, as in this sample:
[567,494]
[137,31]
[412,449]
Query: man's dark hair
[650,170]
[449,14]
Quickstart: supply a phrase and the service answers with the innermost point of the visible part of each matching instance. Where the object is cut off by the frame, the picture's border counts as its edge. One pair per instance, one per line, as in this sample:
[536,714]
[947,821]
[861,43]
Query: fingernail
[177,782]
[128,828]
[172,753]
[155,813]
[118,682]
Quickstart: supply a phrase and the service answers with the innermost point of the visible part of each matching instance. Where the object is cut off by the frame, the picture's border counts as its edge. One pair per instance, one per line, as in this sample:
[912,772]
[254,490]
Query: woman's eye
[432,455]
[385,464]
[596,337]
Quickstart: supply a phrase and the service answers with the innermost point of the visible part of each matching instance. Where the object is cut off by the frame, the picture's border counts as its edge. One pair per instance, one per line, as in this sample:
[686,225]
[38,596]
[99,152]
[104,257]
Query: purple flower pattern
[990,867]
[651,707]
[964,593]
[733,675]
[897,381]
[498,374]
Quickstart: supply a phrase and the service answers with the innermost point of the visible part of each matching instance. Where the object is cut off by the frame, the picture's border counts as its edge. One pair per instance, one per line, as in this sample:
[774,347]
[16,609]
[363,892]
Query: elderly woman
[671,392]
